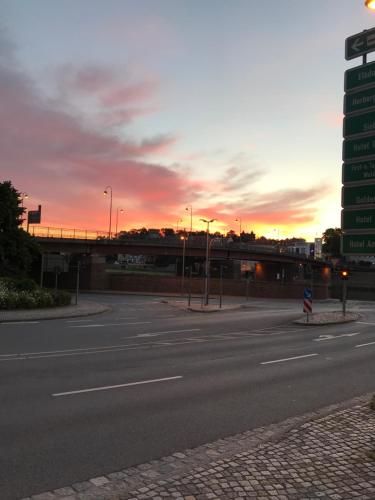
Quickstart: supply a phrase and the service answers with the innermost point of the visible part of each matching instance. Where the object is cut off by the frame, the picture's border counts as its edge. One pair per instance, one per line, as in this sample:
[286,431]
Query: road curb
[328,318]
[85,309]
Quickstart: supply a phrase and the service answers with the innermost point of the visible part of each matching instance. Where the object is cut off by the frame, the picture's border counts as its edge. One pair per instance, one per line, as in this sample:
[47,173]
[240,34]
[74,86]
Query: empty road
[86,396]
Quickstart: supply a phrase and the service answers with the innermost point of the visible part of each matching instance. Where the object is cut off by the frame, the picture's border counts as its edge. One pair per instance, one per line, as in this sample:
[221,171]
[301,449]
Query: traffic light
[344,274]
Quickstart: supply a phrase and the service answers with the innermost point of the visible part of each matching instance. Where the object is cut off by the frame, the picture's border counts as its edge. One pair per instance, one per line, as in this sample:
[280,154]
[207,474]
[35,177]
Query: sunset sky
[231,107]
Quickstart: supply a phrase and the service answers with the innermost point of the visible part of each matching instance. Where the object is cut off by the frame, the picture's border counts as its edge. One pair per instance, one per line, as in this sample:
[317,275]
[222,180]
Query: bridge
[274,272]
[65,240]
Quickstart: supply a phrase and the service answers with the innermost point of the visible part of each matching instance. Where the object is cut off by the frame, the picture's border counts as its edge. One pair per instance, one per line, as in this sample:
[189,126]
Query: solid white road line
[288,359]
[18,322]
[364,323]
[364,345]
[153,334]
[111,324]
[78,320]
[332,337]
[106,388]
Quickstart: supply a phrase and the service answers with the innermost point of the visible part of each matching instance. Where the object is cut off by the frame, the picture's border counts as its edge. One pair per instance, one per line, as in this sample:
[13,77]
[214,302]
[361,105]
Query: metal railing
[68,233]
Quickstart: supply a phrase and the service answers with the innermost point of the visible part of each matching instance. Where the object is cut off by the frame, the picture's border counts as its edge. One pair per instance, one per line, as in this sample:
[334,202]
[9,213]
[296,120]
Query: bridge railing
[58,232]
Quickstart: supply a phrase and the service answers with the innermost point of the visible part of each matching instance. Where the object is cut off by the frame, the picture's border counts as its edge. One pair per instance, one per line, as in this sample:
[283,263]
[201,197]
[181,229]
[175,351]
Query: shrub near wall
[25,294]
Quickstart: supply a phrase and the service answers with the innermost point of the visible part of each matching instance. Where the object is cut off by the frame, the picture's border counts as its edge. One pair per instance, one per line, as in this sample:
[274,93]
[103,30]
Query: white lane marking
[78,320]
[364,345]
[331,337]
[111,324]
[106,388]
[288,359]
[364,323]
[18,322]
[154,334]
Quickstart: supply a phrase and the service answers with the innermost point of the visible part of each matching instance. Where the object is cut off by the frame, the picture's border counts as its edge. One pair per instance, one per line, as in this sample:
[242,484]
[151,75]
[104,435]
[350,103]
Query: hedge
[25,294]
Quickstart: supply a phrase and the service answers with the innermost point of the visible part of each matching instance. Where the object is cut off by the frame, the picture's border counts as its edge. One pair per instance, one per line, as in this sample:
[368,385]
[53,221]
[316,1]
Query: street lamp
[240,221]
[370,4]
[190,208]
[23,197]
[178,221]
[121,212]
[183,238]
[208,222]
[105,192]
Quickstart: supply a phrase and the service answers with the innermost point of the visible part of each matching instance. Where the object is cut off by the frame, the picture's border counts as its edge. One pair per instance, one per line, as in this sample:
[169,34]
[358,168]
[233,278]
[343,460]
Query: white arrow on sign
[330,337]
[357,44]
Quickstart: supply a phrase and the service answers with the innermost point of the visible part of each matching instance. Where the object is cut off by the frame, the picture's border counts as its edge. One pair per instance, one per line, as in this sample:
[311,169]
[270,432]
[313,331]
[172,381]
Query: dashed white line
[289,359]
[107,387]
[364,345]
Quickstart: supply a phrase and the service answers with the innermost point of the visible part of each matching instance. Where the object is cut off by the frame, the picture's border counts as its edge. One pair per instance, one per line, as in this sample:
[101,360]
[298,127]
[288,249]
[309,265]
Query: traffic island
[327,318]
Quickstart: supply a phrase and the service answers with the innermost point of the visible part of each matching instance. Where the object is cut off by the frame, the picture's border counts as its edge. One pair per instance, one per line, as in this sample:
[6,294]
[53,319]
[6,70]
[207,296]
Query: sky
[230,109]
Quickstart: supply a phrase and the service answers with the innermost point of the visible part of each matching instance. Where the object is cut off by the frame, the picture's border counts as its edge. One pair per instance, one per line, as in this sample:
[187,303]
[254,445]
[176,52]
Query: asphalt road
[86,396]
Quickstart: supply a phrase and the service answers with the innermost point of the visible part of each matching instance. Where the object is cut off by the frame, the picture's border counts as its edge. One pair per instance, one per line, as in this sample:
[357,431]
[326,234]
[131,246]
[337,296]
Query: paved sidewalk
[83,308]
[321,455]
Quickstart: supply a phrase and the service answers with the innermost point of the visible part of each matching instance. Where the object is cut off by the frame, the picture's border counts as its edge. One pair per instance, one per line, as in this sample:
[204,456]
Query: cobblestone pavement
[321,455]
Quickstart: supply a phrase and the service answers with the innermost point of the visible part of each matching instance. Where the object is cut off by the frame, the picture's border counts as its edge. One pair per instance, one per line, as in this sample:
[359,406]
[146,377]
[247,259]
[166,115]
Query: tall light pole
[190,208]
[208,222]
[183,238]
[23,197]
[121,212]
[240,221]
[178,221]
[105,192]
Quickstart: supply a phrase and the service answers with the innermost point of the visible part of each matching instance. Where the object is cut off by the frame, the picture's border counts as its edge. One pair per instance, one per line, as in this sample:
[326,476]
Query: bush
[25,294]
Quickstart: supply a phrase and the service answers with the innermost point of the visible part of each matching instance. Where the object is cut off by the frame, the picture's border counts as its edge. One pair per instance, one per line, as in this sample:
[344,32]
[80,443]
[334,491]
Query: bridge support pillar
[98,279]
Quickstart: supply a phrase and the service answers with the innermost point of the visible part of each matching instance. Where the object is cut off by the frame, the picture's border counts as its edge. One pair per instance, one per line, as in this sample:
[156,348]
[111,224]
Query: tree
[17,248]
[331,241]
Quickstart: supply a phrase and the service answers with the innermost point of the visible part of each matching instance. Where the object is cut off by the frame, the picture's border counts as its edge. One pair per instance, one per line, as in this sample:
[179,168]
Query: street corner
[327,318]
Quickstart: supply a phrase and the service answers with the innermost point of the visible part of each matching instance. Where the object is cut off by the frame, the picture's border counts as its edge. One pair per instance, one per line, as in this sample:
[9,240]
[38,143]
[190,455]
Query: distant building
[302,248]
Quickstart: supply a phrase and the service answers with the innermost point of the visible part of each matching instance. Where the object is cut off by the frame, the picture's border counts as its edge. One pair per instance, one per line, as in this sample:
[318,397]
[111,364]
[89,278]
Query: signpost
[358,244]
[307,302]
[355,196]
[360,44]
[359,124]
[358,153]
[358,219]
[358,171]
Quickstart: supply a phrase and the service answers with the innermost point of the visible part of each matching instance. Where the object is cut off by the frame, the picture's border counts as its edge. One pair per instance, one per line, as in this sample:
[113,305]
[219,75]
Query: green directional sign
[360,76]
[358,148]
[360,44]
[359,171]
[361,244]
[358,219]
[359,101]
[359,124]
[358,195]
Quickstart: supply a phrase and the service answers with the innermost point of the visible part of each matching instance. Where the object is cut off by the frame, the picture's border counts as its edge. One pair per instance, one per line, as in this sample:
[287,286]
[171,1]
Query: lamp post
[240,221]
[121,212]
[370,4]
[105,192]
[190,208]
[178,221]
[208,222]
[23,196]
[183,238]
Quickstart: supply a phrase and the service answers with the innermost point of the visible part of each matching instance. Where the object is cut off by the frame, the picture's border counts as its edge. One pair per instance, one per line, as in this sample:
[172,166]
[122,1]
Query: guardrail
[58,232]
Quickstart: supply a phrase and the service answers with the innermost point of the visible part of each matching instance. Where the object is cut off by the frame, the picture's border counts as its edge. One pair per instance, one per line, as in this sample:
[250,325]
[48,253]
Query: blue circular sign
[307,293]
